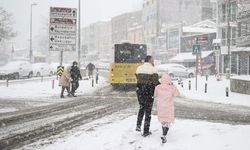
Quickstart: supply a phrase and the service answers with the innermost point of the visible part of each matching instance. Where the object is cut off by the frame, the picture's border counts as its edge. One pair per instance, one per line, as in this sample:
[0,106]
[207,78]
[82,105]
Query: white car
[175,70]
[42,69]
[16,69]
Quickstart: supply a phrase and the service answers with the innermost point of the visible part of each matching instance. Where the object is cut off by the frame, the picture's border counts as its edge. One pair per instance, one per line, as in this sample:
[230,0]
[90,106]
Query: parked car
[42,69]
[16,69]
[175,70]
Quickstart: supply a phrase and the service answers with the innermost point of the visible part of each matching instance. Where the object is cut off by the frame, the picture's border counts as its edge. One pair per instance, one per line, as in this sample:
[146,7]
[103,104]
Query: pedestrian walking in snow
[90,67]
[147,79]
[76,76]
[164,94]
[65,80]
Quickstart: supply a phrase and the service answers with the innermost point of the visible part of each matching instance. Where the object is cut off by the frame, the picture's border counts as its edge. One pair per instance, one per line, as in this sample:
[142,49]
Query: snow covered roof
[135,28]
[189,57]
[243,77]
[198,30]
[205,24]
[241,49]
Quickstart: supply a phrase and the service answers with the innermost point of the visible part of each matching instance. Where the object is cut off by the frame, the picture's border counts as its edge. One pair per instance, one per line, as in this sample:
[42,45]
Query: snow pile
[189,57]
[183,135]
[242,77]
[38,89]
[216,91]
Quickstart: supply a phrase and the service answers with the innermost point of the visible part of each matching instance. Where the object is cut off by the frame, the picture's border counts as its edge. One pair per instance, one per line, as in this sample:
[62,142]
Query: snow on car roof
[13,64]
[189,57]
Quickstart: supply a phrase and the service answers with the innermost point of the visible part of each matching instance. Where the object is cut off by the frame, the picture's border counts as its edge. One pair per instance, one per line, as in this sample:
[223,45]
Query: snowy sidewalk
[38,89]
[183,135]
[215,91]
[37,93]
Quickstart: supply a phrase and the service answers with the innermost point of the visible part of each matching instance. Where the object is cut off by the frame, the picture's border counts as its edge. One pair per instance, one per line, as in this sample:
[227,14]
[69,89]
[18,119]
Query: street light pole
[31,50]
[229,35]
[79,32]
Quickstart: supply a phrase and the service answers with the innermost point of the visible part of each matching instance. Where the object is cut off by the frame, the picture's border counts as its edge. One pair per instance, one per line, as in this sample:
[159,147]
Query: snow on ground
[215,91]
[183,135]
[38,93]
[7,109]
[38,89]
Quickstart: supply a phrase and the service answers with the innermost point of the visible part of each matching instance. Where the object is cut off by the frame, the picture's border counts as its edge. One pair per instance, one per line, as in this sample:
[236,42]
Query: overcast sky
[92,11]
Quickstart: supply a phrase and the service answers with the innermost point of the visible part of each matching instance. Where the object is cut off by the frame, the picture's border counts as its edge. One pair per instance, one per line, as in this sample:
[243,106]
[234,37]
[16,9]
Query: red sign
[203,39]
[62,21]
[199,64]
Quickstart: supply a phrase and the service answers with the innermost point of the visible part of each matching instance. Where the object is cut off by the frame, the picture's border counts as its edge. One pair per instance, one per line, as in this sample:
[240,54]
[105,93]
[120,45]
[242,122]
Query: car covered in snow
[42,69]
[175,70]
[16,70]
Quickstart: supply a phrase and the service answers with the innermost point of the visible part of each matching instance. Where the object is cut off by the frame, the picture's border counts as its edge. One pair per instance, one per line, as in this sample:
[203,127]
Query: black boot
[138,129]
[165,132]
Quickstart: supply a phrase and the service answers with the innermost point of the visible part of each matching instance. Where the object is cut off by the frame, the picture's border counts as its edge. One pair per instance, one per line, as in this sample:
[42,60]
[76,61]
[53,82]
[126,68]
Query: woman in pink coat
[164,94]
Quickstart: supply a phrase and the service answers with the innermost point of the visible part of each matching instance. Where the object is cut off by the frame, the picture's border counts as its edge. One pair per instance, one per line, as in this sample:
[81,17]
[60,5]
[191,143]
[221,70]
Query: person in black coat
[147,80]
[90,68]
[76,76]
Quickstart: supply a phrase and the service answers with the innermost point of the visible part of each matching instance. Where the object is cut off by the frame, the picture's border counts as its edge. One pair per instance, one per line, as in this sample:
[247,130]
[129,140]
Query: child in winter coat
[164,94]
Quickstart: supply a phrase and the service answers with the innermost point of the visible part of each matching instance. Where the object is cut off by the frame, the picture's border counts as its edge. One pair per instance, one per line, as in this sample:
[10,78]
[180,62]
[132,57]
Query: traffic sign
[62,39]
[61,12]
[60,70]
[199,64]
[62,29]
[59,47]
[62,21]
[196,49]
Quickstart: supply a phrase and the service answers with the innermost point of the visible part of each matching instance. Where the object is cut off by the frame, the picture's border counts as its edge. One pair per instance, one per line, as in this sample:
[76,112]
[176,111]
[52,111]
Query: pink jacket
[164,94]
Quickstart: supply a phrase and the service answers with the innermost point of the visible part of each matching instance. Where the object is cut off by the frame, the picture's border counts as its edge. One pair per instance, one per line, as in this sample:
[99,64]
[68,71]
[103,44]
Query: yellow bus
[127,57]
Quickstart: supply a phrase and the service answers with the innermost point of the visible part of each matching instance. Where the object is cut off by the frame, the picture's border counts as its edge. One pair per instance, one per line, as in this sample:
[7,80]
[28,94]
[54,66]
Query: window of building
[174,39]
[233,10]
[239,29]
[233,35]
[248,65]
[223,12]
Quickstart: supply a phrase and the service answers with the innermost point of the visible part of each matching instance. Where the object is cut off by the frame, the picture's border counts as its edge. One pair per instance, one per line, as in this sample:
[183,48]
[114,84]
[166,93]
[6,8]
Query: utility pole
[157,17]
[31,50]
[229,35]
[79,33]
[157,23]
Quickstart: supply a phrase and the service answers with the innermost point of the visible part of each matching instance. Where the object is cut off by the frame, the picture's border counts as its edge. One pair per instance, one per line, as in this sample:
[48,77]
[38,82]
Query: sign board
[199,64]
[62,29]
[196,49]
[60,70]
[60,12]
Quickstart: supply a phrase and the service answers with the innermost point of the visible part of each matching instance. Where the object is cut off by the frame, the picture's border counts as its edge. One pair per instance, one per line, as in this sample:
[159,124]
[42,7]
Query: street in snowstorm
[124,74]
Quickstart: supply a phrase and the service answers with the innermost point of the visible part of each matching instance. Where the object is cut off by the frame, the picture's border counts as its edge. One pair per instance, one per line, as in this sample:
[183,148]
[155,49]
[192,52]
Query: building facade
[159,14]
[135,34]
[97,39]
[121,24]
[241,55]
[227,31]
[179,39]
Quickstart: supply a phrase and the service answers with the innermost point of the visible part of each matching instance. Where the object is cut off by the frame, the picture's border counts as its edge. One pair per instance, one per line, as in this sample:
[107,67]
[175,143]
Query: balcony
[243,41]
[243,16]
[225,43]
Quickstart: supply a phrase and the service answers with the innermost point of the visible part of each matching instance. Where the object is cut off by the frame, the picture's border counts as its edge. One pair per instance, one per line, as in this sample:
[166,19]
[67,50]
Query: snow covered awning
[241,49]
[189,57]
[198,30]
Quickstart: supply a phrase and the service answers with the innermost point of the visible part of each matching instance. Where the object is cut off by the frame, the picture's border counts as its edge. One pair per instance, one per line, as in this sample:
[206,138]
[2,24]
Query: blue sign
[196,49]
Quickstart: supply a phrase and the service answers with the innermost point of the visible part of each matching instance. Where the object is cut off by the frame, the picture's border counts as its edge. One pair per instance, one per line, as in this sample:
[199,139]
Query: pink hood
[165,79]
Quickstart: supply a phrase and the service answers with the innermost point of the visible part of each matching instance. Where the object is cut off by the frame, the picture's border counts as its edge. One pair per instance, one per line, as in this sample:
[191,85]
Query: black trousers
[146,104]
[74,86]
